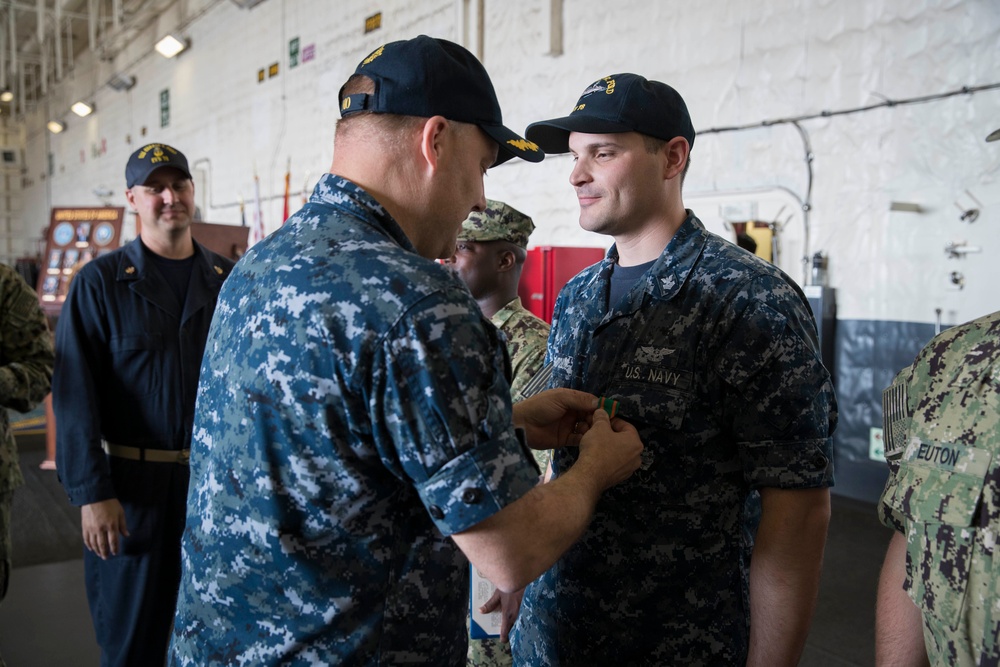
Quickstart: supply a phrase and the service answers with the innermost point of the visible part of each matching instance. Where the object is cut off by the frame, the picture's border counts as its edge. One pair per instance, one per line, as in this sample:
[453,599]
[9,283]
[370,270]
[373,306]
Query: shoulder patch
[539,382]
[895,420]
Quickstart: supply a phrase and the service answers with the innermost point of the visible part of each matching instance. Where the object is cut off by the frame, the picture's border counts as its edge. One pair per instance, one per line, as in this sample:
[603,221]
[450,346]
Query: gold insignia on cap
[130,270]
[218,269]
[523,144]
[346,104]
[374,54]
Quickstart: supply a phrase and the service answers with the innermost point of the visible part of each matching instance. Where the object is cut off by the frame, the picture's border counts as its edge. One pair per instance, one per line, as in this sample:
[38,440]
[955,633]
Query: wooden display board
[227,240]
[76,236]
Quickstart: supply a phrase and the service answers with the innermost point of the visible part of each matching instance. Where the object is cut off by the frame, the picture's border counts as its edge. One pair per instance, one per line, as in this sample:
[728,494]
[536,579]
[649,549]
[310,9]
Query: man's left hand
[509,605]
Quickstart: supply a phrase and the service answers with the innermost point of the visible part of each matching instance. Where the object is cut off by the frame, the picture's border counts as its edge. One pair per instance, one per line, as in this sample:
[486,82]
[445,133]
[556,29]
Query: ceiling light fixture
[171,45]
[82,109]
[55,127]
[121,82]
[7,95]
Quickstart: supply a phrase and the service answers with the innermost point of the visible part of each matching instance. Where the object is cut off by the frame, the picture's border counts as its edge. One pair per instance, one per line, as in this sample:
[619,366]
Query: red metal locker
[546,270]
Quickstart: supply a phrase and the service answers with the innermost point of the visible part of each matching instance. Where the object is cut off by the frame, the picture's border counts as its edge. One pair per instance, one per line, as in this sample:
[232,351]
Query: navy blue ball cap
[618,103]
[142,163]
[426,77]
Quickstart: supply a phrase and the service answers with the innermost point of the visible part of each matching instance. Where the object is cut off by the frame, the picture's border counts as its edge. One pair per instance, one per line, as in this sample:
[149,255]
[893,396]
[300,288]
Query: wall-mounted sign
[261,75]
[308,52]
[272,71]
[164,107]
[293,53]
[373,22]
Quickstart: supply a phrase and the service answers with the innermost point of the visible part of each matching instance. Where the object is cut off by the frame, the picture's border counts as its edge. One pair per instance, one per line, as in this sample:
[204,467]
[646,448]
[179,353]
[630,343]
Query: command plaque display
[76,236]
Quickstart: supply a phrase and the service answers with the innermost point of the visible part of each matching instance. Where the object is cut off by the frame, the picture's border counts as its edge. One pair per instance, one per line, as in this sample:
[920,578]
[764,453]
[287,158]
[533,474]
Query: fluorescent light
[55,127]
[170,46]
[6,96]
[82,109]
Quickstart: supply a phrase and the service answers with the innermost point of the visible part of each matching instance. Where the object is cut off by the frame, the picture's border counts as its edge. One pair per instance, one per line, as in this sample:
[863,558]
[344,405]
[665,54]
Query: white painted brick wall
[735,62]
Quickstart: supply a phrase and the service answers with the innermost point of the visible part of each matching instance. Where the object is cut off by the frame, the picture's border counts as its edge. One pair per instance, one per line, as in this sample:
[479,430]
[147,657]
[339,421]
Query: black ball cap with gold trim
[618,103]
[426,77]
[151,157]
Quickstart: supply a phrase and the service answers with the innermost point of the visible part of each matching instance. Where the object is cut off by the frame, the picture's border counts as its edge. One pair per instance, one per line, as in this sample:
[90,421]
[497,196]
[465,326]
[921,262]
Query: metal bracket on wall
[970,214]
[958,249]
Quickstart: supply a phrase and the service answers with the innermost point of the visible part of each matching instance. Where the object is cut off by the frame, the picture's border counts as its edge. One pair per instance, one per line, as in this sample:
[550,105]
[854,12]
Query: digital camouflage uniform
[942,442]
[713,357]
[525,336]
[25,375]
[353,413]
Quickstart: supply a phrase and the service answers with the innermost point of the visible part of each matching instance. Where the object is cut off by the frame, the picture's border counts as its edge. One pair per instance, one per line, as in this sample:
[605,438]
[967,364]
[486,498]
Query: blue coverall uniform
[128,355]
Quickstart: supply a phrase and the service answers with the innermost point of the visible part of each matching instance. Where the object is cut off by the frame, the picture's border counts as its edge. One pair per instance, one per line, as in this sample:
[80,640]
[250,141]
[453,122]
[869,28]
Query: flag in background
[288,181]
[305,188]
[257,231]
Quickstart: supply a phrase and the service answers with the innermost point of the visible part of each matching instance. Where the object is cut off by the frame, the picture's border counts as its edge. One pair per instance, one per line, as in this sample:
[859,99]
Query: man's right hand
[610,450]
[518,543]
[102,522]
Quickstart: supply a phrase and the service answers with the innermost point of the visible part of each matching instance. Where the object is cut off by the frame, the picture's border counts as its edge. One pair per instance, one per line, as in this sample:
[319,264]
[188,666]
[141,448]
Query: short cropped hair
[379,123]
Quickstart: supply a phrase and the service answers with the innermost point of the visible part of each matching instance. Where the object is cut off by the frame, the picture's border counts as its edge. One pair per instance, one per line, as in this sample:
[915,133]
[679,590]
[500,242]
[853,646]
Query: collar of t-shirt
[177,272]
[622,280]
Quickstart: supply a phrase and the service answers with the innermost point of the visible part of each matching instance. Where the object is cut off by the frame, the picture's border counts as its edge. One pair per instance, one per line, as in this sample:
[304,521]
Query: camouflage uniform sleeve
[895,424]
[782,407]
[527,359]
[526,366]
[445,416]
[25,345]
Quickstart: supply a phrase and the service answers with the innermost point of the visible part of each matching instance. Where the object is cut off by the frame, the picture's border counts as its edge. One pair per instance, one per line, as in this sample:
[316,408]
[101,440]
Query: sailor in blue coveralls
[129,344]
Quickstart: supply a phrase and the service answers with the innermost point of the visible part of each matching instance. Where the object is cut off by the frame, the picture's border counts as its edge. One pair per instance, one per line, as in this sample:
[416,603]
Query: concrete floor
[44,621]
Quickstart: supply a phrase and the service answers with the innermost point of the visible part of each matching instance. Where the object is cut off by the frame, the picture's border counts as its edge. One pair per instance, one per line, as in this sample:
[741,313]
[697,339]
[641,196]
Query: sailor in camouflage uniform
[712,353]
[25,376]
[489,256]
[941,577]
[354,431]
[939,591]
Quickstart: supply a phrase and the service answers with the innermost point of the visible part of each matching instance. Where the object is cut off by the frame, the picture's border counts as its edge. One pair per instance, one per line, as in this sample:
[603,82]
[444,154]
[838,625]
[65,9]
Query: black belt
[181,456]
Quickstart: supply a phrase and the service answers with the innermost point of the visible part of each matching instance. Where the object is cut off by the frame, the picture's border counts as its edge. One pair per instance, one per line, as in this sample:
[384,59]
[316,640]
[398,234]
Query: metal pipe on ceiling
[43,73]
[22,100]
[69,46]
[3,56]
[11,24]
[92,23]
[57,42]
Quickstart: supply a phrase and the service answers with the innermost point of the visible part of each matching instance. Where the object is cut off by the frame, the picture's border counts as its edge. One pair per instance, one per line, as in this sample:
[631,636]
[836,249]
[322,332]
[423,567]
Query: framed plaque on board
[76,236]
